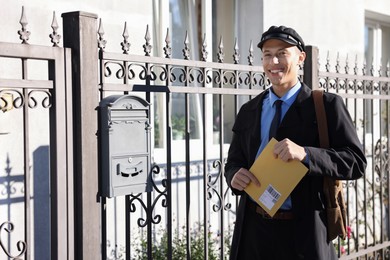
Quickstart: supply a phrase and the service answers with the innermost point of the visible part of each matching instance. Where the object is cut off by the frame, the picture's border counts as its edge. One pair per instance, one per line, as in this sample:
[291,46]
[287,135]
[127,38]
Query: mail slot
[125,145]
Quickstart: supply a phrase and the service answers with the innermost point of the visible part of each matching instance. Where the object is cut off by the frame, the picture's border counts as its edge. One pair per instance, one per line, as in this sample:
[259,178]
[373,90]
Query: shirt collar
[289,97]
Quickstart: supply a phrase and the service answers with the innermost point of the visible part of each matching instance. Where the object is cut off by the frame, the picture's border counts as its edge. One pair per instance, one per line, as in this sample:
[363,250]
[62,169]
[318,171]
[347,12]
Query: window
[183,19]
[377,54]
[198,18]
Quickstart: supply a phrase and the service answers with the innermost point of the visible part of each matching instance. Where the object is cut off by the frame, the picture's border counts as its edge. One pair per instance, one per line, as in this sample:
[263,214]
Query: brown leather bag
[336,209]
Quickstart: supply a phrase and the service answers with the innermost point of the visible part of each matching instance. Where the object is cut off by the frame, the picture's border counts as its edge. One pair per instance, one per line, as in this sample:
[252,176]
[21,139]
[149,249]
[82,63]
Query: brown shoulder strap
[332,188]
[321,118]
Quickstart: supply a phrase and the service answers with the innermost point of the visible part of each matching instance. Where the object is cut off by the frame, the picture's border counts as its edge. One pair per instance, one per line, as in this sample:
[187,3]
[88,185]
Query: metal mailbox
[125,145]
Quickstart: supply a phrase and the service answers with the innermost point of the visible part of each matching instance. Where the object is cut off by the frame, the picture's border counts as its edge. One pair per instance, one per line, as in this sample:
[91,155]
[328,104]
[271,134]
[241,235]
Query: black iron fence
[191,212]
[229,85]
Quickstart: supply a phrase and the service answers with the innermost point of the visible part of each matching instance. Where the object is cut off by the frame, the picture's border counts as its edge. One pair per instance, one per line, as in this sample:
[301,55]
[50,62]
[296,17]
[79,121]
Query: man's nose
[275,60]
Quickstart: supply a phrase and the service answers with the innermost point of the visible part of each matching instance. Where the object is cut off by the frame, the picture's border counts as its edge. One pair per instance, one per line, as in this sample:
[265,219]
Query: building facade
[218,32]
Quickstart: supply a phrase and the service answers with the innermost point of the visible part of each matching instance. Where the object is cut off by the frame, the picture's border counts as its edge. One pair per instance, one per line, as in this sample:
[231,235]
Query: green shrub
[179,245]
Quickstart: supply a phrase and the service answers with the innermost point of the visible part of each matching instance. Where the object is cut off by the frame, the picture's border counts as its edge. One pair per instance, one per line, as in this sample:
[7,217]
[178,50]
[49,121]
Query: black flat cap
[282,33]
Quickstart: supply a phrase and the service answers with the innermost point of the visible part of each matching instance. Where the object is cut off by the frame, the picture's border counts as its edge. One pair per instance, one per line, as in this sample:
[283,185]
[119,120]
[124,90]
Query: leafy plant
[179,245]
[178,127]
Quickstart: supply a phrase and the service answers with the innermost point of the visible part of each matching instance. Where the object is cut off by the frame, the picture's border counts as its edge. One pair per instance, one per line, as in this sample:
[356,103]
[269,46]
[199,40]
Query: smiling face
[281,64]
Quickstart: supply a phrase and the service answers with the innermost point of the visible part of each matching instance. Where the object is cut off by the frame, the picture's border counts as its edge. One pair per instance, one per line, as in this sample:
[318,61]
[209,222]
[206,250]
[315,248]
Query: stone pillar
[80,34]
[310,69]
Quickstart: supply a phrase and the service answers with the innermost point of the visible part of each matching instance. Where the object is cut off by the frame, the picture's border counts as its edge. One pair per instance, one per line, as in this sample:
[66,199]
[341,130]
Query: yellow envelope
[277,179]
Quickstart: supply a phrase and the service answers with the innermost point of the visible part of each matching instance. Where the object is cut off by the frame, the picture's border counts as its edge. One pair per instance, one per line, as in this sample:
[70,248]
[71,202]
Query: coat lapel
[294,116]
[256,107]
[297,113]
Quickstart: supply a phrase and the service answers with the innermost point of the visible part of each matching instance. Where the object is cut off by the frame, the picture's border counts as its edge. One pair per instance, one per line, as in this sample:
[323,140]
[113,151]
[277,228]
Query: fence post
[310,68]
[80,34]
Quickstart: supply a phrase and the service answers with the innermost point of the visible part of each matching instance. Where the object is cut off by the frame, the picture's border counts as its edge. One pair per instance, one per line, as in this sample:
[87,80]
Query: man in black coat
[298,229]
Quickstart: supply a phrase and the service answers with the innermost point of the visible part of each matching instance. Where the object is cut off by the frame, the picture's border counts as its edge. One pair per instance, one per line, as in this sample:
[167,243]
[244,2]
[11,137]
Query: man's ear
[301,57]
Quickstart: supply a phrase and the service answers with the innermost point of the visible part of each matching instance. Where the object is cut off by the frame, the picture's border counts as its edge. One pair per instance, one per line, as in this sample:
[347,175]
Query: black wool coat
[344,160]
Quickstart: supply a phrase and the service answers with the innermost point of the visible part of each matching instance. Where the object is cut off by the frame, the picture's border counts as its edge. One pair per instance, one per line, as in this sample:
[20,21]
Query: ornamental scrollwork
[21,245]
[124,70]
[18,98]
[212,186]
[162,196]
[33,102]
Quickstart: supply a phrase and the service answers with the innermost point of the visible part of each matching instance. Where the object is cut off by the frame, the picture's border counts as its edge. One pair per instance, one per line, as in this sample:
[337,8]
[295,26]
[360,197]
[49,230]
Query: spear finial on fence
[380,69]
[236,55]
[168,48]
[337,67]
[55,37]
[372,67]
[388,69]
[346,65]
[364,69]
[355,69]
[101,41]
[327,65]
[125,44]
[186,50]
[204,49]
[250,57]
[147,46]
[220,51]
[24,35]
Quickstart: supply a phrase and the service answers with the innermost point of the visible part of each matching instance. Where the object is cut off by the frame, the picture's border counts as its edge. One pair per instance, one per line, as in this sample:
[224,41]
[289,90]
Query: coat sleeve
[345,158]
[234,163]
[237,157]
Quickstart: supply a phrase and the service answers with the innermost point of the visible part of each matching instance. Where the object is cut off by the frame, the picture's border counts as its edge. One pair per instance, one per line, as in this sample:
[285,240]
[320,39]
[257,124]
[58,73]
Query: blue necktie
[276,120]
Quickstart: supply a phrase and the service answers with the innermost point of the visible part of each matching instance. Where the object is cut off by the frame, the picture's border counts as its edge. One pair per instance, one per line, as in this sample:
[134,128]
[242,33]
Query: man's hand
[242,178]
[288,150]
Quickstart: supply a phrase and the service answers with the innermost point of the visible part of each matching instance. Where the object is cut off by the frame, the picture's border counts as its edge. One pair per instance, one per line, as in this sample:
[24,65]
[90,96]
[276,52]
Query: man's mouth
[276,71]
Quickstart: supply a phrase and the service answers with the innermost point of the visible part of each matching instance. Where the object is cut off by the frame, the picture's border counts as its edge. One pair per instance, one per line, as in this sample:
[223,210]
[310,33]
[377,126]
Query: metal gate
[36,201]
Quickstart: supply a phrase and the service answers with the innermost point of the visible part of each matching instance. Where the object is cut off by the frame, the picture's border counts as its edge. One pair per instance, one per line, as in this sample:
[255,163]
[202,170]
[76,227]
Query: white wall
[137,13]
[337,26]
[378,6]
